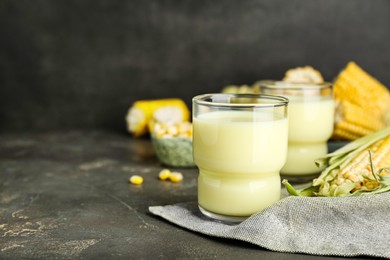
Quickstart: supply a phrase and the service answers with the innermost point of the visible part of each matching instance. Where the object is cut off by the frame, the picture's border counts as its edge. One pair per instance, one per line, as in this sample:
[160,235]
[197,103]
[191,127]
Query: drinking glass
[239,146]
[311,119]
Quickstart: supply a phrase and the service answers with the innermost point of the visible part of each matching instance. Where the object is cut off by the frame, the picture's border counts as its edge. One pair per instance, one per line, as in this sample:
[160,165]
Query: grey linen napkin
[342,226]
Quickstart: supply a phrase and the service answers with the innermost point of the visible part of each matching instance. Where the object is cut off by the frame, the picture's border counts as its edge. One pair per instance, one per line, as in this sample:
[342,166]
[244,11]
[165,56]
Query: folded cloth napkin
[341,226]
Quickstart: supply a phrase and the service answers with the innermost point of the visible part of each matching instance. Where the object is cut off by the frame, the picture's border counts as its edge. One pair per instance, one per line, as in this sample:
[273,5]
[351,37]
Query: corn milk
[239,155]
[310,126]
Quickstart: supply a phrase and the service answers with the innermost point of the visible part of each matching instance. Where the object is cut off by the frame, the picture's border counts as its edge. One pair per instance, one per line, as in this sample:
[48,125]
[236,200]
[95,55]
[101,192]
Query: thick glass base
[300,165]
[222,218]
[225,194]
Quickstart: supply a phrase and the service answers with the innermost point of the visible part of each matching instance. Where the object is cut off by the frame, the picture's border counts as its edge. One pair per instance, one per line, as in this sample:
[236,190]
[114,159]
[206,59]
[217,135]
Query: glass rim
[279,84]
[279,100]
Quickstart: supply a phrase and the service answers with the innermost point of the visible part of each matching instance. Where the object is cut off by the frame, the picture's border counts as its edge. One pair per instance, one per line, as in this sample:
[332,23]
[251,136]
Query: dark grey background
[81,64]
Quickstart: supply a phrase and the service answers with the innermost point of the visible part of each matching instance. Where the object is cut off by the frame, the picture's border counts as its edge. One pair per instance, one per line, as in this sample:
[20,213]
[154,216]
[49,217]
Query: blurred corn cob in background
[306,74]
[362,103]
[143,112]
[361,167]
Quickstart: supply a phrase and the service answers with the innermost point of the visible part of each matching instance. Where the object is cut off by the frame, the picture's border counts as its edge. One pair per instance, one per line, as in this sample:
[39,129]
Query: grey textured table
[66,195]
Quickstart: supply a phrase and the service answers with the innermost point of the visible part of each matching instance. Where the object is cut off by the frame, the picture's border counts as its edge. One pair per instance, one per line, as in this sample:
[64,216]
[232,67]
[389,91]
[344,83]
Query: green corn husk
[337,160]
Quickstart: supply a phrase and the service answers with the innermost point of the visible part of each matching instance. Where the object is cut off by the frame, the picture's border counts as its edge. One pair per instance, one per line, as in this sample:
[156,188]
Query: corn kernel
[185,127]
[158,130]
[347,174]
[348,181]
[354,178]
[164,174]
[340,181]
[176,177]
[371,185]
[136,179]
[172,130]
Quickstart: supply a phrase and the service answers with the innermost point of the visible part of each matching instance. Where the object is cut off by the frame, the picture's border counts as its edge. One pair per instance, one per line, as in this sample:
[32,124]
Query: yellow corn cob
[352,128]
[142,112]
[359,116]
[339,133]
[363,103]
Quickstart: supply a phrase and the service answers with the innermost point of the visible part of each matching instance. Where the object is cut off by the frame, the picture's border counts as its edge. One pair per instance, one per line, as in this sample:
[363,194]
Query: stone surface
[66,195]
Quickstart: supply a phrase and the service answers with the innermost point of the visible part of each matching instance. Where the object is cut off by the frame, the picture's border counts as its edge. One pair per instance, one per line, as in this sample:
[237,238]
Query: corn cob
[358,172]
[361,167]
[363,103]
[143,112]
[305,74]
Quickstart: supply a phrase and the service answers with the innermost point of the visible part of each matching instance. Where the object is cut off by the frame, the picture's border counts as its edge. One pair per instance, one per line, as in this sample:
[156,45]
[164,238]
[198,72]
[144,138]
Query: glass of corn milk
[311,117]
[239,146]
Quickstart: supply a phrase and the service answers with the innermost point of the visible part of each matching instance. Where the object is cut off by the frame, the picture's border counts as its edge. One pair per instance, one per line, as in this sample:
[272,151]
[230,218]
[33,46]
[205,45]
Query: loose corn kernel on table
[66,195]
